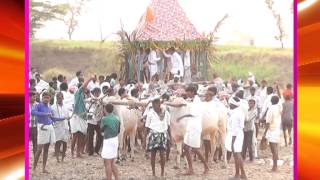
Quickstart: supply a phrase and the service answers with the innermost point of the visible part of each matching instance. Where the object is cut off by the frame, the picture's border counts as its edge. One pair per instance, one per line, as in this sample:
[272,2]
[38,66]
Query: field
[92,167]
[58,56]
[66,57]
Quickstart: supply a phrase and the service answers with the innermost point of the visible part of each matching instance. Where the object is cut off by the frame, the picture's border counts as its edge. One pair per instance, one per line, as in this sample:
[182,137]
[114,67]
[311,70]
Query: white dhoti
[273,136]
[46,134]
[110,148]
[192,137]
[187,75]
[78,124]
[153,69]
[61,131]
[237,143]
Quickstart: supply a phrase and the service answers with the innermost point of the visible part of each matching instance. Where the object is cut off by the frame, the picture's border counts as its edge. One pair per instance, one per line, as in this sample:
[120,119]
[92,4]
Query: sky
[248,19]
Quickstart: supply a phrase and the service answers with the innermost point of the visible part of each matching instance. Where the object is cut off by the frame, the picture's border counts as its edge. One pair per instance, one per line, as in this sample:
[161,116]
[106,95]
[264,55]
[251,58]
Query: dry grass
[272,64]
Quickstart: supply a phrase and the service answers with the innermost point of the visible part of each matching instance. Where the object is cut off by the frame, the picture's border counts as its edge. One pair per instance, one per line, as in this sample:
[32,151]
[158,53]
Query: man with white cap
[234,138]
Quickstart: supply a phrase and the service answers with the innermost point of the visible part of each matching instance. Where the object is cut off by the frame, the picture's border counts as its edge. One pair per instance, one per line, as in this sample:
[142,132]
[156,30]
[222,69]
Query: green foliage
[272,64]
[41,12]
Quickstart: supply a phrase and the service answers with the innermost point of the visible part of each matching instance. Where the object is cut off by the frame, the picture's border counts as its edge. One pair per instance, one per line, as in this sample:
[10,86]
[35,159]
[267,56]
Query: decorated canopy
[165,25]
[165,20]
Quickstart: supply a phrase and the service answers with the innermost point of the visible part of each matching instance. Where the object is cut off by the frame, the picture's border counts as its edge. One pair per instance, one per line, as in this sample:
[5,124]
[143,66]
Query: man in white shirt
[68,98]
[60,80]
[121,84]
[60,126]
[75,81]
[32,73]
[234,138]
[176,62]
[262,93]
[153,62]
[93,84]
[243,102]
[157,123]
[268,103]
[273,129]
[41,85]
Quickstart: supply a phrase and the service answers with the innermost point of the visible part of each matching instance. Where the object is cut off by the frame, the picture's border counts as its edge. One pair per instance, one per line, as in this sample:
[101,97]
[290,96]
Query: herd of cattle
[131,114]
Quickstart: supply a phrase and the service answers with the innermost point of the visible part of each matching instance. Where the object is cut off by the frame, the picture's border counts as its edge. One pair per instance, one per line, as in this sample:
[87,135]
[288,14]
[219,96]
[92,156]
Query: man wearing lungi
[157,123]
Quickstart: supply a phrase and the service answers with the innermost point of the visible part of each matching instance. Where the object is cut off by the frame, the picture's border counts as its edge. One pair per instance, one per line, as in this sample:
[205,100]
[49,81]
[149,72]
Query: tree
[71,19]
[281,35]
[40,12]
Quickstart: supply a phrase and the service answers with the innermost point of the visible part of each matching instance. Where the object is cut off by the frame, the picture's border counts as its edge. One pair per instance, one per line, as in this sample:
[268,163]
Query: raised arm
[175,104]
[154,56]
[128,103]
[166,55]
[56,118]
[85,84]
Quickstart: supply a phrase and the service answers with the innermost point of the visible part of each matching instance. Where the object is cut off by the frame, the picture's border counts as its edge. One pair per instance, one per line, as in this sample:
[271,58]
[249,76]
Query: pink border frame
[26,86]
[295,83]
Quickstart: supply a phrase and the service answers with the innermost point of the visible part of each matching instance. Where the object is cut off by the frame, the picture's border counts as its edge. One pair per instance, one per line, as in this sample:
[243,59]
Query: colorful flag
[149,16]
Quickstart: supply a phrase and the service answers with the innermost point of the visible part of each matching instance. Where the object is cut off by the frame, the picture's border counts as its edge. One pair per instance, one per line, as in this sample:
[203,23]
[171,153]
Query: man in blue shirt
[46,135]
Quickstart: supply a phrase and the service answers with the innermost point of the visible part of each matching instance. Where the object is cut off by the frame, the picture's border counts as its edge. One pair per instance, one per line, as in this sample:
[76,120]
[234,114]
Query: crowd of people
[63,110]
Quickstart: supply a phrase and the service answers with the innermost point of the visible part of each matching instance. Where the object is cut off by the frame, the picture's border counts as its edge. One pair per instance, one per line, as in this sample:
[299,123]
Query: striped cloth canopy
[165,20]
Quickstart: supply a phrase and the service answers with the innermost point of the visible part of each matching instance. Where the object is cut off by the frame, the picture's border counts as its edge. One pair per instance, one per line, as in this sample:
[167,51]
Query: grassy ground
[272,64]
[266,63]
[65,44]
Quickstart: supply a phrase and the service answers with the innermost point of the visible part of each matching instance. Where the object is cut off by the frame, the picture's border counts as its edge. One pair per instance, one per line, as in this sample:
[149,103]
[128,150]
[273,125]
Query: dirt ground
[140,168]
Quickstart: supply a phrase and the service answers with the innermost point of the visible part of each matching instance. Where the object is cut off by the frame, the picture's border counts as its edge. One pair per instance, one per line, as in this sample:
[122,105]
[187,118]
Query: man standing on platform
[176,62]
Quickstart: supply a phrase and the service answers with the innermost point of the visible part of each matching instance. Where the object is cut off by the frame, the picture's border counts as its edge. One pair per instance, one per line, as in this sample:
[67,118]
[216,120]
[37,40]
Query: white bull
[129,123]
[129,120]
[213,121]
